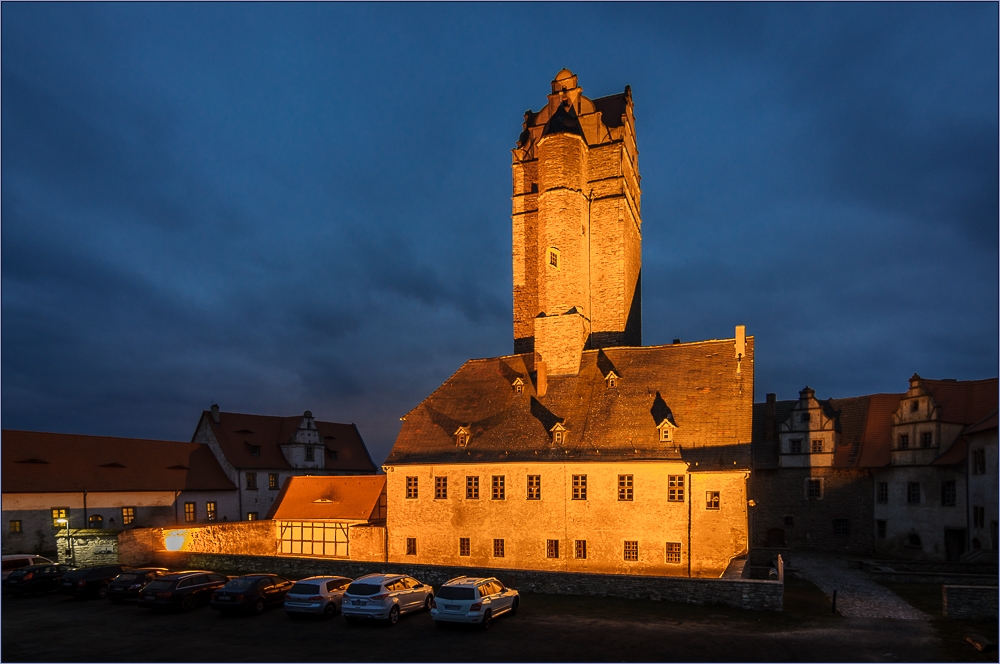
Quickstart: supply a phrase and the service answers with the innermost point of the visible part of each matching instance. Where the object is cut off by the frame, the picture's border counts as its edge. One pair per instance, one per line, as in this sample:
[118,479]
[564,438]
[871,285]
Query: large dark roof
[695,385]
[612,109]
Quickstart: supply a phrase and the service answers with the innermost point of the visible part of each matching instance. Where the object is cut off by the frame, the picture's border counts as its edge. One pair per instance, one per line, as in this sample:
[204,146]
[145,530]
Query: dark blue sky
[291,206]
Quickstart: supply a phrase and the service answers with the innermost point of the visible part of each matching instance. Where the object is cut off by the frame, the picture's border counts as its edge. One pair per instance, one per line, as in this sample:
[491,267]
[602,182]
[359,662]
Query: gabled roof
[36,462]
[986,424]
[963,401]
[695,382]
[238,432]
[337,498]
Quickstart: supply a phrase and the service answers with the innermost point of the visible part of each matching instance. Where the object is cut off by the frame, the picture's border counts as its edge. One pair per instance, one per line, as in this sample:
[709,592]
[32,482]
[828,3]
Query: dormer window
[310,454]
[518,385]
[666,429]
[462,436]
[255,450]
[612,380]
[558,433]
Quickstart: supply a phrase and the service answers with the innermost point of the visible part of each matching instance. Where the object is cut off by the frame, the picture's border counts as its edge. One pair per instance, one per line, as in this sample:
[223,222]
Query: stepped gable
[694,385]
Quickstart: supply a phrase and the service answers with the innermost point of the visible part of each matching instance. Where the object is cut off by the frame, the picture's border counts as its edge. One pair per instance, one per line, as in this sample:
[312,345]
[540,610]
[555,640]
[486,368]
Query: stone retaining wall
[739,593]
[88,546]
[931,577]
[969,602]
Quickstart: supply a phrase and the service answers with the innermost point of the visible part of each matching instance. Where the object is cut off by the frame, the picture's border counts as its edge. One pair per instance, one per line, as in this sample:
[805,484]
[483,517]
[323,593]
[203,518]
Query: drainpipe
[85,522]
[690,493]
[176,494]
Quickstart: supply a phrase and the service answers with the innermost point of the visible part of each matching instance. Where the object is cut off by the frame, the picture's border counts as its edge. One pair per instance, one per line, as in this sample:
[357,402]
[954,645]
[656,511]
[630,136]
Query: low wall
[88,546]
[250,537]
[932,577]
[739,593]
[969,602]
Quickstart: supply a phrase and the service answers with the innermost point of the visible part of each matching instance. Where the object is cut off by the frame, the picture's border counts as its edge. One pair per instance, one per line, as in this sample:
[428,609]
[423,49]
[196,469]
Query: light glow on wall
[174,539]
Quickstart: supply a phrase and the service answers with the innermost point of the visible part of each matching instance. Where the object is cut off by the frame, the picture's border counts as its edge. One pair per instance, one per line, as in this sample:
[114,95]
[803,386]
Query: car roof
[380,578]
[174,576]
[325,578]
[19,556]
[149,569]
[468,580]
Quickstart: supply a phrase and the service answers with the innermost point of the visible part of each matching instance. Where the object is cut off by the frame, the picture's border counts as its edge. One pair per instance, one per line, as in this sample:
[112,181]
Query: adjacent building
[983,486]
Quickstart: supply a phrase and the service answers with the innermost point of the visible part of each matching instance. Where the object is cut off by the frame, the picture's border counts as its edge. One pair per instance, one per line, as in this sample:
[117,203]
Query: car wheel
[259,606]
[513,607]
[189,603]
[427,602]
[102,591]
[330,610]
[487,619]
[394,615]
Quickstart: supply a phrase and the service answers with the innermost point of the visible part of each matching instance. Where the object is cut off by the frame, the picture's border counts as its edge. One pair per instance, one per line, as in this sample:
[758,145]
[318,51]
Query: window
[804,417]
[95,521]
[580,549]
[979,462]
[319,538]
[551,548]
[841,527]
[904,441]
[60,513]
[664,432]
[411,546]
[332,454]
[189,512]
[632,550]
[534,487]
[880,527]
[498,488]
[518,388]
[554,257]
[252,481]
[914,406]
[534,187]
[310,454]
[255,450]
[817,446]
[882,492]
[210,511]
[673,552]
[926,438]
[472,487]
[796,446]
[978,516]
[579,487]
[711,500]
[624,487]
[251,516]
[128,516]
[913,541]
[558,436]
[913,492]
[15,526]
[814,488]
[440,488]
[948,494]
[498,548]
[612,380]
[411,488]
[464,547]
[272,480]
[789,520]
[462,436]
[675,488]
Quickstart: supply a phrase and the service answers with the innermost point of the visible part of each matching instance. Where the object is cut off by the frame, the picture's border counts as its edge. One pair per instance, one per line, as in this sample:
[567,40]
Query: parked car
[15,561]
[90,581]
[251,593]
[126,586]
[317,595]
[35,579]
[385,597]
[186,590]
[469,599]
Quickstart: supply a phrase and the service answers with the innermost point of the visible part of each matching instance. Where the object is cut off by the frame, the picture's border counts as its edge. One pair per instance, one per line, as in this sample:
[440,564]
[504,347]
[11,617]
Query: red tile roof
[984,425]
[237,432]
[963,401]
[36,462]
[338,498]
[877,446]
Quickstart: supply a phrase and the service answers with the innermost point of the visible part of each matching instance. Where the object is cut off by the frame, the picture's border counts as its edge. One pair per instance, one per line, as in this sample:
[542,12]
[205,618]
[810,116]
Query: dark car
[90,581]
[36,579]
[184,590]
[251,593]
[127,585]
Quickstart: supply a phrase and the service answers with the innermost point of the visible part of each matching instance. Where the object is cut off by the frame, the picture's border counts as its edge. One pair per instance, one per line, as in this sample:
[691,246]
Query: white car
[317,595]
[476,600]
[385,597]
[14,561]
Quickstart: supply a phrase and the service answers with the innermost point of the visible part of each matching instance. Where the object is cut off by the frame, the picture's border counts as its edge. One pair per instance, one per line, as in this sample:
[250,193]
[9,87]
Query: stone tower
[577,230]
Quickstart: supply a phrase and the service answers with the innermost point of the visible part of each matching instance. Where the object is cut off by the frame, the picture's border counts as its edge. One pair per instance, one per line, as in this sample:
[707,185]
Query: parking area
[546,628]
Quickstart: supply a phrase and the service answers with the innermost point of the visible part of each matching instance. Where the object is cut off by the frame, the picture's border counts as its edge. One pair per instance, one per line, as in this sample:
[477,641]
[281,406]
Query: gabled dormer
[916,428]
[518,385]
[559,432]
[305,448]
[611,380]
[463,435]
[809,436]
[666,430]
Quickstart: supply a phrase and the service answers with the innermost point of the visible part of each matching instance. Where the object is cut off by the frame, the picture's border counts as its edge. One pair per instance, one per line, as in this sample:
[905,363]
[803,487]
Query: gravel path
[857,595]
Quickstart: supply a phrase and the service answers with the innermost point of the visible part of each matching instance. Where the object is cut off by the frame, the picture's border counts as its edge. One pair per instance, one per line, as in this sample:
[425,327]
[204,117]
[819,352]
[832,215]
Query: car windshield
[363,588]
[304,589]
[451,592]
[242,583]
[161,585]
[17,574]
[126,577]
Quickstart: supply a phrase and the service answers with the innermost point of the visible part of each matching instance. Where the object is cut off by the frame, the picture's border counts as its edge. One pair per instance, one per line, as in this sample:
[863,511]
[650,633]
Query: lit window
[675,488]
[554,257]
[95,521]
[472,487]
[411,546]
[310,454]
[252,481]
[255,450]
[498,487]
[926,438]
[210,510]
[498,548]
[440,488]
[411,487]
[880,528]
[15,526]
[189,512]
[673,552]
[60,513]
[796,446]
[251,516]
[128,515]
[882,493]
[711,500]
[272,480]
[948,494]
[579,487]
[817,446]
[464,547]
[913,493]
[632,550]
[841,527]
[580,549]
[814,489]
[904,441]
[551,548]
[534,487]
[625,487]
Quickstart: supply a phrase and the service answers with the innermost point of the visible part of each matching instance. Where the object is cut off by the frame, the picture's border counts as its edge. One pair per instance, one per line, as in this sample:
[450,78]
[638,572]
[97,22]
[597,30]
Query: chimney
[541,378]
[215,413]
[769,415]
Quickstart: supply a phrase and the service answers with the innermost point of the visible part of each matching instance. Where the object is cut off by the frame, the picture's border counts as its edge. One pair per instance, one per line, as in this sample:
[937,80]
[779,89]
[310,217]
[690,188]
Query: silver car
[385,597]
[317,595]
[470,599]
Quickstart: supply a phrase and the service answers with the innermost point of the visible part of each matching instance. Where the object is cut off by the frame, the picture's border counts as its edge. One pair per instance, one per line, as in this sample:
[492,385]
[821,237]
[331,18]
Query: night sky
[281,207]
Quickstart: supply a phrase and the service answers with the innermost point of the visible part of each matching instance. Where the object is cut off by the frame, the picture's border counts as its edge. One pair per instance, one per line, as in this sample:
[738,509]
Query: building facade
[984,488]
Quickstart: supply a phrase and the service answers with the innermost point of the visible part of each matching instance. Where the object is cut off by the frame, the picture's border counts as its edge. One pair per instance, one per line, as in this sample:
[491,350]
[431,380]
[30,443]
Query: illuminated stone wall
[602,520]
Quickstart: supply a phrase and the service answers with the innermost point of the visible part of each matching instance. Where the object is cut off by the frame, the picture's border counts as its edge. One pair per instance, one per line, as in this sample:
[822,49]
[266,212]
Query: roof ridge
[92,435]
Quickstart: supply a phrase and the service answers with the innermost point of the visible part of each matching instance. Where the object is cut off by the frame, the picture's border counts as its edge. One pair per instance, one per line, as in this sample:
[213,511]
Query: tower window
[310,454]
[554,258]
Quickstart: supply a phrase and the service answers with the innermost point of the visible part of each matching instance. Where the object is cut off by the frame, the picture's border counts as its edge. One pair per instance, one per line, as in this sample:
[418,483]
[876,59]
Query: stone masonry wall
[249,537]
[739,593]
[86,547]
[969,602]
